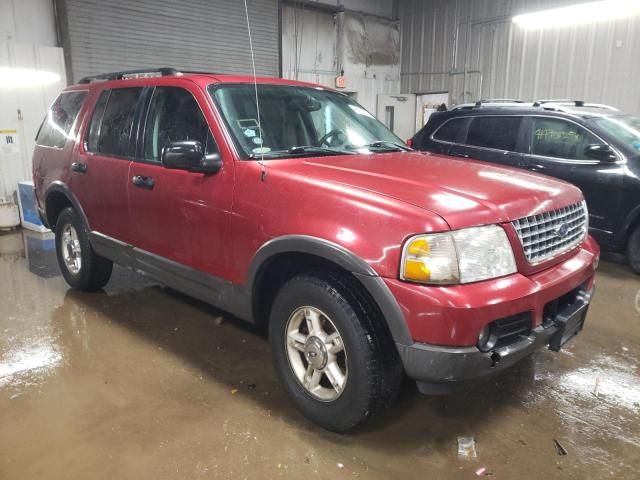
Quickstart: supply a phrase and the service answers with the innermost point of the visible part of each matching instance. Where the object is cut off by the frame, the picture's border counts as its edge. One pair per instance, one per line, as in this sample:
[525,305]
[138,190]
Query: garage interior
[139,381]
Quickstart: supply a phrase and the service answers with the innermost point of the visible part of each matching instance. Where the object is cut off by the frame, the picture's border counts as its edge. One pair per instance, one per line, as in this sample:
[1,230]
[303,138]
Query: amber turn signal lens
[419,247]
[416,270]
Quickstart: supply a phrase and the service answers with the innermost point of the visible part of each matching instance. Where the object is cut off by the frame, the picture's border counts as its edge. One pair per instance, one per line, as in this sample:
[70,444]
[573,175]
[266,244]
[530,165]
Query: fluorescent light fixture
[25,77]
[579,14]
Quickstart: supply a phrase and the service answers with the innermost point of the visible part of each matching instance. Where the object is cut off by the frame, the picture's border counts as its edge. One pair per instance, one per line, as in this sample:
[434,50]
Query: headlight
[461,256]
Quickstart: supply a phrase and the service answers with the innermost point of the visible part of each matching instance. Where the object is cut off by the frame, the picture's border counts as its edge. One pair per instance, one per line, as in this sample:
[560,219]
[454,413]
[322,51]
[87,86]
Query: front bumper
[454,316]
[438,369]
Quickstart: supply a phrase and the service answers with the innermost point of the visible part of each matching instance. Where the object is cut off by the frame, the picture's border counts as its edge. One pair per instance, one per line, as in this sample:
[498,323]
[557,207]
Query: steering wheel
[330,134]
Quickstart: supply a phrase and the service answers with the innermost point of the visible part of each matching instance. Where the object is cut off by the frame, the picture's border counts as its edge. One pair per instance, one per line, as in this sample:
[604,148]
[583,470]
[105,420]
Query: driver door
[179,215]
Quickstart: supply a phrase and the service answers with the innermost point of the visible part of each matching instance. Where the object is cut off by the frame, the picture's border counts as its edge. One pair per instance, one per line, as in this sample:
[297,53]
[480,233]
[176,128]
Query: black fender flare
[349,261]
[61,187]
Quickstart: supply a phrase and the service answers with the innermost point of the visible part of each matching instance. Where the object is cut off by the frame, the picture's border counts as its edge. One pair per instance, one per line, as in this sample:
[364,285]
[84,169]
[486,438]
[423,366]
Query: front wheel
[331,352]
[81,267]
[633,250]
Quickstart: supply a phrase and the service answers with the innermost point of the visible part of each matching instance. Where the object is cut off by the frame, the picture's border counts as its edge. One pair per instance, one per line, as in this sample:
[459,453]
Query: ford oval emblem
[562,230]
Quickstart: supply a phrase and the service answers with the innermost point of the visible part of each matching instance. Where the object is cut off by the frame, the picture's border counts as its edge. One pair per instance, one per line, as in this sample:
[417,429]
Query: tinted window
[452,131]
[494,132]
[114,132]
[96,120]
[56,127]
[554,137]
[173,116]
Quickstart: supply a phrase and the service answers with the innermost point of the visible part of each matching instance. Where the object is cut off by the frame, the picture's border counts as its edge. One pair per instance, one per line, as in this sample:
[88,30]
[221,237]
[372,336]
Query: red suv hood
[464,192]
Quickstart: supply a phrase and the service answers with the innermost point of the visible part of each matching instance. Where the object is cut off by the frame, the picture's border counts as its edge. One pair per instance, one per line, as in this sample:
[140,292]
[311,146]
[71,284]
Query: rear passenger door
[556,147]
[179,215]
[100,169]
[492,138]
[495,139]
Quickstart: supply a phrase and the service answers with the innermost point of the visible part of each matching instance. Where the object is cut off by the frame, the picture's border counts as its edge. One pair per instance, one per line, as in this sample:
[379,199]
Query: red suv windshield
[292,117]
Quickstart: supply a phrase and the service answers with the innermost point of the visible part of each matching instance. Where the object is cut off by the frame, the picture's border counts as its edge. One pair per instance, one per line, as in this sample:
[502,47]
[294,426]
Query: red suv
[290,206]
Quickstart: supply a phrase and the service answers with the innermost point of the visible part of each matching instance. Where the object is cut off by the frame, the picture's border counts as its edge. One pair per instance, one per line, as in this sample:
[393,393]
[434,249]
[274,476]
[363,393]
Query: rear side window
[112,122]
[496,132]
[554,137]
[453,131]
[56,127]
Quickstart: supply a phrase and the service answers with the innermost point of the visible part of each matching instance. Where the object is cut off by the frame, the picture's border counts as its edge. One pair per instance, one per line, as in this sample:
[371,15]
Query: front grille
[549,234]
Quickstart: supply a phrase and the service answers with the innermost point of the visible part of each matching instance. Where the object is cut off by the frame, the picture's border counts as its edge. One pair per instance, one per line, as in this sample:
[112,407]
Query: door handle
[536,167]
[79,167]
[143,182]
[459,155]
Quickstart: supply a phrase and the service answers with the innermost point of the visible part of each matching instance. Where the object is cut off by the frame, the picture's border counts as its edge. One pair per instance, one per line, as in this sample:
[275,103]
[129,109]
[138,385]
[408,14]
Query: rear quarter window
[453,130]
[56,127]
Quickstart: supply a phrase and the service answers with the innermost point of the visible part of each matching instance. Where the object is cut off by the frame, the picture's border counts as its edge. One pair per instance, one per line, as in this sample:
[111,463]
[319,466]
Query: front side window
[56,127]
[624,128]
[498,132]
[174,116]
[292,116]
[112,122]
[555,137]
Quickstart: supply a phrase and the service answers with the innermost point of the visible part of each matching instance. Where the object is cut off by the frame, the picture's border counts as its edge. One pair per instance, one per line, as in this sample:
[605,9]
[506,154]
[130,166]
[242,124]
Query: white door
[426,104]
[398,113]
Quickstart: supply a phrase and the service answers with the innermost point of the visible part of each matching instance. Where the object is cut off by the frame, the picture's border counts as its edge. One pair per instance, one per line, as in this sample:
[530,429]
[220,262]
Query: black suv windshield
[298,121]
[624,128]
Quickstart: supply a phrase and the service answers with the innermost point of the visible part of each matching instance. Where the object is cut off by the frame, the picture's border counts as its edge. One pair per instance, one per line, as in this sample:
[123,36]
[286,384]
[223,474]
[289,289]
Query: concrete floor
[140,382]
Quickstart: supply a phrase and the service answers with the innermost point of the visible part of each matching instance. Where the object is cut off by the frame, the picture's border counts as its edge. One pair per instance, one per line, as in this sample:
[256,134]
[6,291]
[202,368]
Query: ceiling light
[25,77]
[580,14]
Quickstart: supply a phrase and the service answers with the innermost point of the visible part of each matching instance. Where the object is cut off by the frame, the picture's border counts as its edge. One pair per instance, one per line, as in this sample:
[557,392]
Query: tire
[369,363]
[81,267]
[633,250]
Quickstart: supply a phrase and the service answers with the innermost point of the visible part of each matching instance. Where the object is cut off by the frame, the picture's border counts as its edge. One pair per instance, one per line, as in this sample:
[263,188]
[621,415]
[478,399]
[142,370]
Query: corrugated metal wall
[317,44]
[210,35]
[441,40]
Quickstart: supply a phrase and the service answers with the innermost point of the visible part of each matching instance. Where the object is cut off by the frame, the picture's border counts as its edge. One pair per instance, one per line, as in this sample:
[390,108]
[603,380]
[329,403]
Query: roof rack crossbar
[498,100]
[163,71]
[577,103]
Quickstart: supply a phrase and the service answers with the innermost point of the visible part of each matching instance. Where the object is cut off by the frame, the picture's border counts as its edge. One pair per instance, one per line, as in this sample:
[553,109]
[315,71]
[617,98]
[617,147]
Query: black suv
[595,147]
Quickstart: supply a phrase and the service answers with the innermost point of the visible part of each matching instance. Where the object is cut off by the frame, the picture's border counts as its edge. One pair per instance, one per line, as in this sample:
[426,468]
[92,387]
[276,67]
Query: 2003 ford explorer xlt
[365,261]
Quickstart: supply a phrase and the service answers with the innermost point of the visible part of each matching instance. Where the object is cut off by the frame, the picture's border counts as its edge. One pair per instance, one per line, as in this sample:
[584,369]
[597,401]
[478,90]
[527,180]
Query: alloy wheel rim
[71,251]
[316,353]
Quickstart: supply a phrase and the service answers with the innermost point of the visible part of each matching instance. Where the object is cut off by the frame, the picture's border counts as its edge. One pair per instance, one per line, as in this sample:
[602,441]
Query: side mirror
[189,155]
[603,153]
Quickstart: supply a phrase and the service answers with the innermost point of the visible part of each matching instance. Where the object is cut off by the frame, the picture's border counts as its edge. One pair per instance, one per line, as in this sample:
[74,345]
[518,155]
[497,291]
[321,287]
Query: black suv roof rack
[498,100]
[141,73]
[577,103]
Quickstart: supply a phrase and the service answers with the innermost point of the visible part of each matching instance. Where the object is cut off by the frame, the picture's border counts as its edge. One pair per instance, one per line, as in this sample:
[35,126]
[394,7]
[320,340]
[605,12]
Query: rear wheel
[81,267]
[633,250]
[331,352]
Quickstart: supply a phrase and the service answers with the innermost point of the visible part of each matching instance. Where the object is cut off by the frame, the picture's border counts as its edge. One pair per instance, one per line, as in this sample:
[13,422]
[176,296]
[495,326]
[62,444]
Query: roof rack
[561,104]
[145,72]
[576,103]
[498,100]
[141,73]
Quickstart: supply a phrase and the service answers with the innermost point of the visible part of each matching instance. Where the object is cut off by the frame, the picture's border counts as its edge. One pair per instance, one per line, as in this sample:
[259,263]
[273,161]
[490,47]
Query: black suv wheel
[333,357]
[81,267]
[633,250]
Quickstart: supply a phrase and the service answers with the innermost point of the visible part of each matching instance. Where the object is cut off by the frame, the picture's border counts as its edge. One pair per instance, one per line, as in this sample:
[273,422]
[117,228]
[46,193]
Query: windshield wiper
[301,150]
[317,150]
[383,145]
